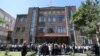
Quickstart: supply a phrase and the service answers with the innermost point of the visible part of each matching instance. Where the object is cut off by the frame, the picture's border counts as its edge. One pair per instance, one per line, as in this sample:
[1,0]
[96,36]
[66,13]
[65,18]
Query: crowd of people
[50,48]
[59,49]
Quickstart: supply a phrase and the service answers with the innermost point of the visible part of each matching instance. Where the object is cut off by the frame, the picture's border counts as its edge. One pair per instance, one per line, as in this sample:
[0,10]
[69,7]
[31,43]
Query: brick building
[48,24]
[8,26]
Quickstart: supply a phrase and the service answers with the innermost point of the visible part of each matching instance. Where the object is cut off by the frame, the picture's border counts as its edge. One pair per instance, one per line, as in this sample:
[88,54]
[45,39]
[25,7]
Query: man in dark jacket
[24,49]
[96,49]
[44,50]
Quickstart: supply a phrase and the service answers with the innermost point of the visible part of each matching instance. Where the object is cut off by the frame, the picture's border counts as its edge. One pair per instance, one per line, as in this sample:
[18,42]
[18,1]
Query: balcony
[52,35]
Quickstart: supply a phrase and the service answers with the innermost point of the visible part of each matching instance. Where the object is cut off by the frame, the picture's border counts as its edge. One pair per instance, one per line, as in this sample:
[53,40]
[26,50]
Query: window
[32,29]
[5,33]
[30,33]
[1,32]
[33,25]
[61,29]
[21,19]
[71,27]
[51,29]
[23,29]
[60,18]
[33,20]
[41,29]
[21,41]
[42,19]
[15,40]
[51,19]
[90,41]
[69,12]
[33,17]
[18,29]
[1,15]
[3,25]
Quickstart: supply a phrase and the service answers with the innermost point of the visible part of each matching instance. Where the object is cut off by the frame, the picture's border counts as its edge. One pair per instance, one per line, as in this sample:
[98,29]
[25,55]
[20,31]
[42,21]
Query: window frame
[51,19]
[42,19]
[60,18]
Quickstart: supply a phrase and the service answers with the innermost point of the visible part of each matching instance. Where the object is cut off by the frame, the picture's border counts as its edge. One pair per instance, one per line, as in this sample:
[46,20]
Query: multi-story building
[7,26]
[48,24]
[21,29]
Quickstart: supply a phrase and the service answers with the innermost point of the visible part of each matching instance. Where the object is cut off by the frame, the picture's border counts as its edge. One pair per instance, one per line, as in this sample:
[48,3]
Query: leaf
[87,17]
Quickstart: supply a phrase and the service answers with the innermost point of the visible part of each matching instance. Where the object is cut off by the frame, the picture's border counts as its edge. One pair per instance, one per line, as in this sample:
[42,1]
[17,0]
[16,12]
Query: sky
[14,7]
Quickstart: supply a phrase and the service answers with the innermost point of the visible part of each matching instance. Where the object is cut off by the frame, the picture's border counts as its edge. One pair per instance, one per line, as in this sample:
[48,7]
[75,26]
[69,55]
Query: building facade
[21,29]
[6,27]
[48,24]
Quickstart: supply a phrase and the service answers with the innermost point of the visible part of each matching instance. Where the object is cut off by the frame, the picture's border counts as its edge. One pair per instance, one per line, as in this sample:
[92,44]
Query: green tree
[2,21]
[87,17]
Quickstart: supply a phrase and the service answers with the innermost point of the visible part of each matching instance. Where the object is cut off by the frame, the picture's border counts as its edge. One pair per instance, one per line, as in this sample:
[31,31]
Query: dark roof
[22,15]
[51,7]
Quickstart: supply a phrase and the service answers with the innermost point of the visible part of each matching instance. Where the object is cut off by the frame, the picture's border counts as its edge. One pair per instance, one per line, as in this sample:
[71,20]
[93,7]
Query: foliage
[87,16]
[2,21]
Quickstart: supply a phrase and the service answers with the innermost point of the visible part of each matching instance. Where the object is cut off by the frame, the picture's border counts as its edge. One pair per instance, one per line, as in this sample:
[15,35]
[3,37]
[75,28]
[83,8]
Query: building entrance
[53,40]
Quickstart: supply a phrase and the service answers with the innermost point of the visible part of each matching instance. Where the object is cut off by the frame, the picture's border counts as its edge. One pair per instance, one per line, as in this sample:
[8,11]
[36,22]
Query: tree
[2,21]
[87,17]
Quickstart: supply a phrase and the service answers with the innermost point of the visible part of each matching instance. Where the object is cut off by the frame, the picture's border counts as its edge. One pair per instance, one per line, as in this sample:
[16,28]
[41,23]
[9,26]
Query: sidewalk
[78,54]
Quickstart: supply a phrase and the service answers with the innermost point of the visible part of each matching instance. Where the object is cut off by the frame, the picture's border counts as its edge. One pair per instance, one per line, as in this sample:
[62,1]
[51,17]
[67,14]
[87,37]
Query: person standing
[39,49]
[96,49]
[44,49]
[24,49]
[50,48]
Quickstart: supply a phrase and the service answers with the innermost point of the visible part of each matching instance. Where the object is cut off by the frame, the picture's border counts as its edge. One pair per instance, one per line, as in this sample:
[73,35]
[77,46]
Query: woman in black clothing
[24,49]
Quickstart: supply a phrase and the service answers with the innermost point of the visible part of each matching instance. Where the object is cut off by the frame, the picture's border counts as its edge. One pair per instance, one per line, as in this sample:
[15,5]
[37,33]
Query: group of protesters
[62,49]
[12,47]
[58,49]
[50,48]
